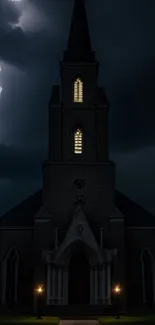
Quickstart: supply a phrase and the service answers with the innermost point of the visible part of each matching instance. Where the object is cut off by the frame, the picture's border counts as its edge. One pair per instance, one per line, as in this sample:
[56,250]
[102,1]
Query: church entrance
[79,280]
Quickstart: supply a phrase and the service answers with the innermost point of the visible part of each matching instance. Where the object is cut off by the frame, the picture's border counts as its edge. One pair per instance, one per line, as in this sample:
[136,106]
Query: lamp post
[117,290]
[39,292]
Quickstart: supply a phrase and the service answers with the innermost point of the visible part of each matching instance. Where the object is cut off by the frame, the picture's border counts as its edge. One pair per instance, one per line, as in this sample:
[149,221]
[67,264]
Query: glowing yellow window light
[78,91]
[78,138]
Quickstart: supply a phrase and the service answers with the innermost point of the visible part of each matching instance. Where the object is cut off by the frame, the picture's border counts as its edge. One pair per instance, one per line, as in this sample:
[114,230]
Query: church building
[78,237]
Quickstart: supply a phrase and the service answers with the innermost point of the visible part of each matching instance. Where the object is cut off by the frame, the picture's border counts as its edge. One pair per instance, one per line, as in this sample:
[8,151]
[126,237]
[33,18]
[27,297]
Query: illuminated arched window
[78,141]
[78,91]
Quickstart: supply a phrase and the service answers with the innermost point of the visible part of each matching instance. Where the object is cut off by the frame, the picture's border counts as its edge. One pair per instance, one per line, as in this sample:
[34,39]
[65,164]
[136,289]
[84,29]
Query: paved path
[78,322]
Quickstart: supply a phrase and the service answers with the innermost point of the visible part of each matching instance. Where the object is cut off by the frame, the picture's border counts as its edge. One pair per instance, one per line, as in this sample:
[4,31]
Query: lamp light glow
[39,289]
[117,289]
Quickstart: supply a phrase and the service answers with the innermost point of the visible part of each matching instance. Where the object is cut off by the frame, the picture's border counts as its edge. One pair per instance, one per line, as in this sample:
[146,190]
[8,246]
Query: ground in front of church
[21,320]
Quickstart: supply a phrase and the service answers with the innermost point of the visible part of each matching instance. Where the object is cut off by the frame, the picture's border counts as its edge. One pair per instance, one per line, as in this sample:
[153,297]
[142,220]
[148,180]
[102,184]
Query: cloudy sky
[33,35]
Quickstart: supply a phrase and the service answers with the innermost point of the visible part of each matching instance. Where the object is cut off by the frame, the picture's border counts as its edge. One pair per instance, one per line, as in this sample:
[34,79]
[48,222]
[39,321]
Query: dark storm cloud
[126,51]
[123,38]
[23,48]
[8,13]
[12,40]
[16,163]
[135,177]
[132,124]
[14,45]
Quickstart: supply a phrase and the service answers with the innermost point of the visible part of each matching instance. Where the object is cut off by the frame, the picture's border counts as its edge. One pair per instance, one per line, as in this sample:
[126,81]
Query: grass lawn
[21,320]
[4,320]
[147,319]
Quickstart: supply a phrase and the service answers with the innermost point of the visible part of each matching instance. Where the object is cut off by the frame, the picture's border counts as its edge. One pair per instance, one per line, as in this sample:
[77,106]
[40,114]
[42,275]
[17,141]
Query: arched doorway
[79,280]
[147,274]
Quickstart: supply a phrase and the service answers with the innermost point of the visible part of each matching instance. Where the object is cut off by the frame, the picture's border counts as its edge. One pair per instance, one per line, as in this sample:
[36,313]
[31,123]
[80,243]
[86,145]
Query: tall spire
[79,45]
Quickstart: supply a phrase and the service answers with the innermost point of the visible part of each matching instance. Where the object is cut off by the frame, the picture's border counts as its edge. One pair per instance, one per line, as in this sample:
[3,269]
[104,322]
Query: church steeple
[79,44]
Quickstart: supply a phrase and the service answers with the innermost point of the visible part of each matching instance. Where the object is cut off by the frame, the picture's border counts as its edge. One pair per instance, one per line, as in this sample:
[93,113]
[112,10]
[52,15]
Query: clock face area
[79,183]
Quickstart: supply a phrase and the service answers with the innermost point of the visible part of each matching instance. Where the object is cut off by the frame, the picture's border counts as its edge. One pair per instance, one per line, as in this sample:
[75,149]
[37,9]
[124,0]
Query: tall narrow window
[11,277]
[78,141]
[78,91]
[147,277]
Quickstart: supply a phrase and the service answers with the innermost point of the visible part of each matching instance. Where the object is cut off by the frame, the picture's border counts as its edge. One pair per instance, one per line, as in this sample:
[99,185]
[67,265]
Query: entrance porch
[79,283]
[79,270]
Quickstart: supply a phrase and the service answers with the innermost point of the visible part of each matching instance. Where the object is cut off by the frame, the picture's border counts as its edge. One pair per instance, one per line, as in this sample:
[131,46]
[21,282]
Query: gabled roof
[42,214]
[79,230]
[134,214]
[23,214]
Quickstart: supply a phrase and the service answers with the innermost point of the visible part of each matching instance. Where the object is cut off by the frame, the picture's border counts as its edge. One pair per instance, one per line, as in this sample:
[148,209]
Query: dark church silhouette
[78,236]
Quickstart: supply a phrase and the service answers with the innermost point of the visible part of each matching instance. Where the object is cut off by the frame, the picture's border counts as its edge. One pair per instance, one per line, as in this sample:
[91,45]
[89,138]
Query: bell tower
[79,61]
[78,132]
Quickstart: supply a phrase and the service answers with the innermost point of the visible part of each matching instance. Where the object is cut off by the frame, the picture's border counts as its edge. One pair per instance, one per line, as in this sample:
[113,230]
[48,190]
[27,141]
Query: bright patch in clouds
[16,1]
[32,19]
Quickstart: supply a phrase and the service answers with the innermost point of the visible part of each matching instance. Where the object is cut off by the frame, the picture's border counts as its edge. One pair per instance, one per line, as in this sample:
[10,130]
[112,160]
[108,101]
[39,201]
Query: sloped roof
[73,235]
[23,214]
[134,214]
[79,44]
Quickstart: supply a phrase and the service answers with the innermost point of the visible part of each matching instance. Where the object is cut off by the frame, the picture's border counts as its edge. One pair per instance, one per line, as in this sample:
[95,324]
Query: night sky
[33,35]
